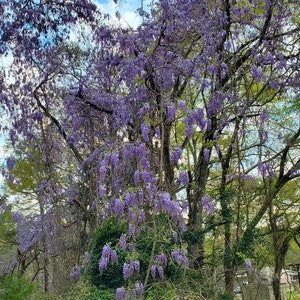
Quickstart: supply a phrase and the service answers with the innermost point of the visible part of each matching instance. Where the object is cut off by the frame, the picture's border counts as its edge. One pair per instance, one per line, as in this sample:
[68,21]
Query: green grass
[293,295]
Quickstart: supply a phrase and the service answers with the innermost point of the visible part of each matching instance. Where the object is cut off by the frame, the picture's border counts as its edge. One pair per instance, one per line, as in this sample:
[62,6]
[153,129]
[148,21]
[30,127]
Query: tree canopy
[186,129]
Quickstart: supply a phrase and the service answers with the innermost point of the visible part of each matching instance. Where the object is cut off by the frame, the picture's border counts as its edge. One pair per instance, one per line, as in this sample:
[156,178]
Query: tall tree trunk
[281,241]
[195,226]
[229,264]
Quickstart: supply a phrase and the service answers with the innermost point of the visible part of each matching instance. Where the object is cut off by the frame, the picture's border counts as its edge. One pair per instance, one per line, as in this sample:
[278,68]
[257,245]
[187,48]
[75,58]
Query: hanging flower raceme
[75,273]
[130,268]
[108,255]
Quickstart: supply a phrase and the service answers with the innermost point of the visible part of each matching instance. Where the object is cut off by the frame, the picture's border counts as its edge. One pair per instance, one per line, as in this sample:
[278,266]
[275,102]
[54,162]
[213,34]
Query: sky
[127,9]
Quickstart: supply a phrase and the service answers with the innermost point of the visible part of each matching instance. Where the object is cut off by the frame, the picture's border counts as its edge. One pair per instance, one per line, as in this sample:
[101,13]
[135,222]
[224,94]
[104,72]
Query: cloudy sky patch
[127,10]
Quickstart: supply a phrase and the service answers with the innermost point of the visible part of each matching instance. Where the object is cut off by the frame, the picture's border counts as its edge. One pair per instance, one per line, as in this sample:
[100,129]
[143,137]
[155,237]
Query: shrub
[110,231]
[82,290]
[15,287]
[111,277]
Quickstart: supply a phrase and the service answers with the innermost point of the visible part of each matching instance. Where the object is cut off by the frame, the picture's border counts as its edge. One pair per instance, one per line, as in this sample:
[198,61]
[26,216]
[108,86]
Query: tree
[175,117]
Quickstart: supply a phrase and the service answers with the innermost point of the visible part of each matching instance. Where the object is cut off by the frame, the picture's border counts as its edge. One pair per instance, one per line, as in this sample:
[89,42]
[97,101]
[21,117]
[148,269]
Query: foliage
[82,290]
[225,297]
[109,232]
[112,276]
[162,291]
[16,287]
[7,229]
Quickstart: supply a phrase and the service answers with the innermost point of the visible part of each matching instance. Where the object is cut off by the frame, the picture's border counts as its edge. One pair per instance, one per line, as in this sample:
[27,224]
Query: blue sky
[127,9]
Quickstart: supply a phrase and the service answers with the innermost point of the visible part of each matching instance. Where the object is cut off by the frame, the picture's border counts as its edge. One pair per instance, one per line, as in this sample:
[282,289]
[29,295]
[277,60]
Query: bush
[110,231]
[111,278]
[82,290]
[16,287]
[225,297]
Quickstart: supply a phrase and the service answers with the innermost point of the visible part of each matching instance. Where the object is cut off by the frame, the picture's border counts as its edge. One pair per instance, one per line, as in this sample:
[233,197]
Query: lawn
[293,295]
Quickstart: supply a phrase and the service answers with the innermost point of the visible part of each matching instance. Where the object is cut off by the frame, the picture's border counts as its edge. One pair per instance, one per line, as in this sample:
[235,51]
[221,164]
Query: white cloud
[6,60]
[127,10]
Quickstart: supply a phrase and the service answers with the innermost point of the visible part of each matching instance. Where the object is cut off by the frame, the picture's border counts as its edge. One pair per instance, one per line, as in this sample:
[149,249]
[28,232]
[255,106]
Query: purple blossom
[145,128]
[102,190]
[122,241]
[188,123]
[148,178]
[274,84]
[10,163]
[207,204]
[118,15]
[257,73]
[215,104]
[136,177]
[153,271]
[265,169]
[169,55]
[171,207]
[75,273]
[141,196]
[127,152]
[224,66]
[176,154]
[248,266]
[269,59]
[114,159]
[180,258]
[205,83]
[160,270]
[161,258]
[106,250]
[108,254]
[127,271]
[102,170]
[136,265]
[183,178]
[119,206]
[139,289]
[157,132]
[142,216]
[113,256]
[103,264]
[198,117]
[145,163]
[212,68]
[166,201]
[120,293]
[131,229]
[206,154]
[130,199]
[264,116]
[182,105]
[140,150]
[17,216]
[262,134]
[171,112]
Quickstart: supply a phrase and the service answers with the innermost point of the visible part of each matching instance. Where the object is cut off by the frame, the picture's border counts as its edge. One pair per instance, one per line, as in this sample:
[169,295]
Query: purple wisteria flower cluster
[131,267]
[75,273]
[158,267]
[180,257]
[108,255]
[208,205]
